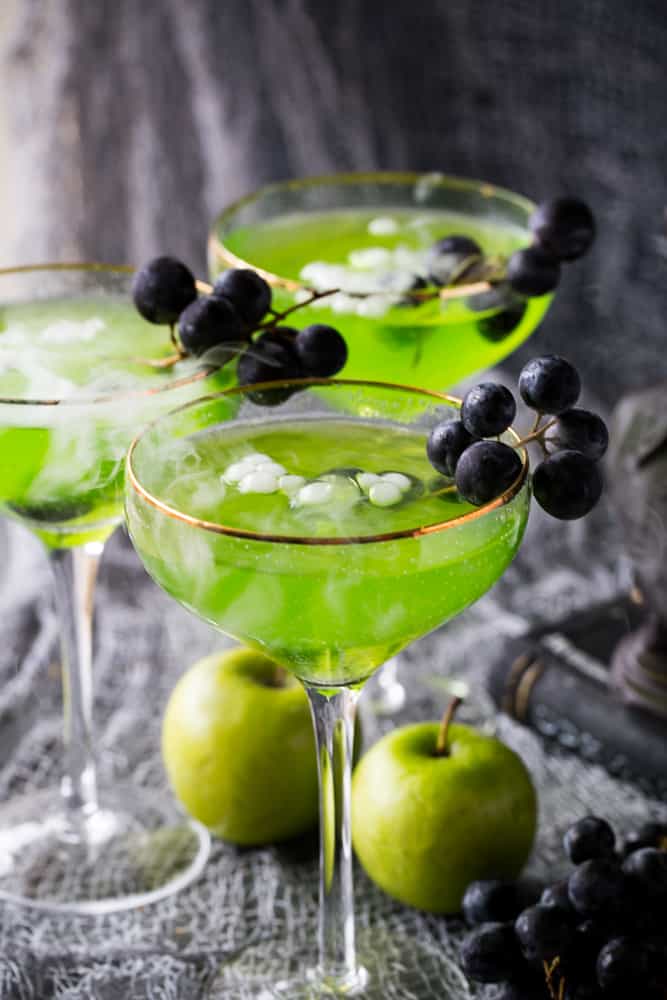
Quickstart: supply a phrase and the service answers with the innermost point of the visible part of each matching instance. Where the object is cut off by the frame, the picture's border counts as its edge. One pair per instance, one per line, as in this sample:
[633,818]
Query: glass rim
[93,266]
[448,181]
[325,540]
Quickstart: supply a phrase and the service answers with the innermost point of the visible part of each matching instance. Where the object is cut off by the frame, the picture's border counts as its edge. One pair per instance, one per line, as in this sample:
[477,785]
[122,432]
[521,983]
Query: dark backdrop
[133,123]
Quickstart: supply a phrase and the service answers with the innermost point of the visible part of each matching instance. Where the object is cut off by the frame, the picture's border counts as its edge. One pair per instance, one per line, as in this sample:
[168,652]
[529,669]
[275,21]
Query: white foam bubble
[235,472]
[290,484]
[367,479]
[376,305]
[67,331]
[271,468]
[256,458]
[398,479]
[341,303]
[383,225]
[314,493]
[384,494]
[370,258]
[258,481]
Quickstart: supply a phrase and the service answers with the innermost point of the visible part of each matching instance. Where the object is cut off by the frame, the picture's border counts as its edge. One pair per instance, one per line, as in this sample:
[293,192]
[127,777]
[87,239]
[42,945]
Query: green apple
[432,814]
[238,746]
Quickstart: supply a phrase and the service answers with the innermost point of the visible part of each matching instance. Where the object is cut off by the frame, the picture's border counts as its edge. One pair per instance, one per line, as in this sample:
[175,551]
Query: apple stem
[279,676]
[441,748]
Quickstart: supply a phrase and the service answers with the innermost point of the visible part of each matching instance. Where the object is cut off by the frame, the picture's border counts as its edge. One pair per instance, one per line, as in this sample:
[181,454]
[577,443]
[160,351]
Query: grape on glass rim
[162,289]
[448,254]
[269,359]
[487,409]
[564,227]
[549,384]
[485,470]
[446,443]
[580,430]
[500,325]
[208,322]
[567,485]
[532,271]
[285,337]
[247,291]
[321,349]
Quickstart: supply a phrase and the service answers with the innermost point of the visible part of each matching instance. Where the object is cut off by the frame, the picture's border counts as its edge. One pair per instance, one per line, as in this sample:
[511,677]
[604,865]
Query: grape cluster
[567,484]
[231,322]
[597,935]
[563,229]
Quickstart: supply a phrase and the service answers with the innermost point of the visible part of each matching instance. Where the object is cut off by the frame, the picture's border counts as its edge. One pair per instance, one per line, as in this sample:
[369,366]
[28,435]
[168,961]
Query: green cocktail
[330,625]
[77,380]
[331,543]
[75,383]
[368,236]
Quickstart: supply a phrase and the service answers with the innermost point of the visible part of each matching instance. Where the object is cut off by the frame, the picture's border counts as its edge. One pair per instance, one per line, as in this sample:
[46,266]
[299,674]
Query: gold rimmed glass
[326,599]
[75,386]
[286,227]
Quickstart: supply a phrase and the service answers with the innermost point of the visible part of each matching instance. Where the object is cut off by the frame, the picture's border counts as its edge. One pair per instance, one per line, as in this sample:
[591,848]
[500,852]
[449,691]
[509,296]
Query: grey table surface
[257,906]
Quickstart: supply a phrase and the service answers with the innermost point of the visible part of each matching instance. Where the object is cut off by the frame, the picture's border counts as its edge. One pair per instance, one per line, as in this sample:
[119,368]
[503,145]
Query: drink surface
[331,453]
[330,613]
[61,469]
[432,344]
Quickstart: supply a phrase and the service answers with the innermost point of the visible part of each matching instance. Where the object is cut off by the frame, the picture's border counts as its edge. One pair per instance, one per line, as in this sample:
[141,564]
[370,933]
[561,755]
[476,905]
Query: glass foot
[134,849]
[391,966]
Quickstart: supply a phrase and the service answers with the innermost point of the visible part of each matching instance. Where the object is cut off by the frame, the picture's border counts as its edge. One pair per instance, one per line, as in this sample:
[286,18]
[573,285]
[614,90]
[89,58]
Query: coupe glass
[436,343]
[327,607]
[72,396]
[283,227]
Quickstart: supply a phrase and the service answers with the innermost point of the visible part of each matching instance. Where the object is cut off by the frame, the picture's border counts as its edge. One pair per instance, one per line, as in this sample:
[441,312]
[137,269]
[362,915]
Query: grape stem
[168,362]
[537,433]
[450,488]
[278,317]
[441,745]
[549,970]
[493,273]
[488,274]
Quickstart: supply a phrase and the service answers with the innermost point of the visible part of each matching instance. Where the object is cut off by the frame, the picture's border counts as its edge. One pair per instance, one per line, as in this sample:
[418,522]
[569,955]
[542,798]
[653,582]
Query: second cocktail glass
[369,236]
[76,383]
[310,570]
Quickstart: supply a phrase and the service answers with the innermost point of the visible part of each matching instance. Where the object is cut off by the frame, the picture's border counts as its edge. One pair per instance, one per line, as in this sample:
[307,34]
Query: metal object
[638,479]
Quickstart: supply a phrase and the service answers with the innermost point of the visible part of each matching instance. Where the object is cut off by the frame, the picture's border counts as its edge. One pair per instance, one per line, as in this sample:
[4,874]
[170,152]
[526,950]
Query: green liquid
[61,466]
[330,613]
[431,345]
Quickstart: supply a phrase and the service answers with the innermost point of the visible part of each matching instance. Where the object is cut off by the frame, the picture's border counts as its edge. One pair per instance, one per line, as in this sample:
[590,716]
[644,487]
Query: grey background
[127,126]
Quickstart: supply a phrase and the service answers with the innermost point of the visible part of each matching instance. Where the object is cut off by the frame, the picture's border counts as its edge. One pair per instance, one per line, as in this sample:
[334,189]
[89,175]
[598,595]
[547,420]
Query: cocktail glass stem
[74,572]
[333,719]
